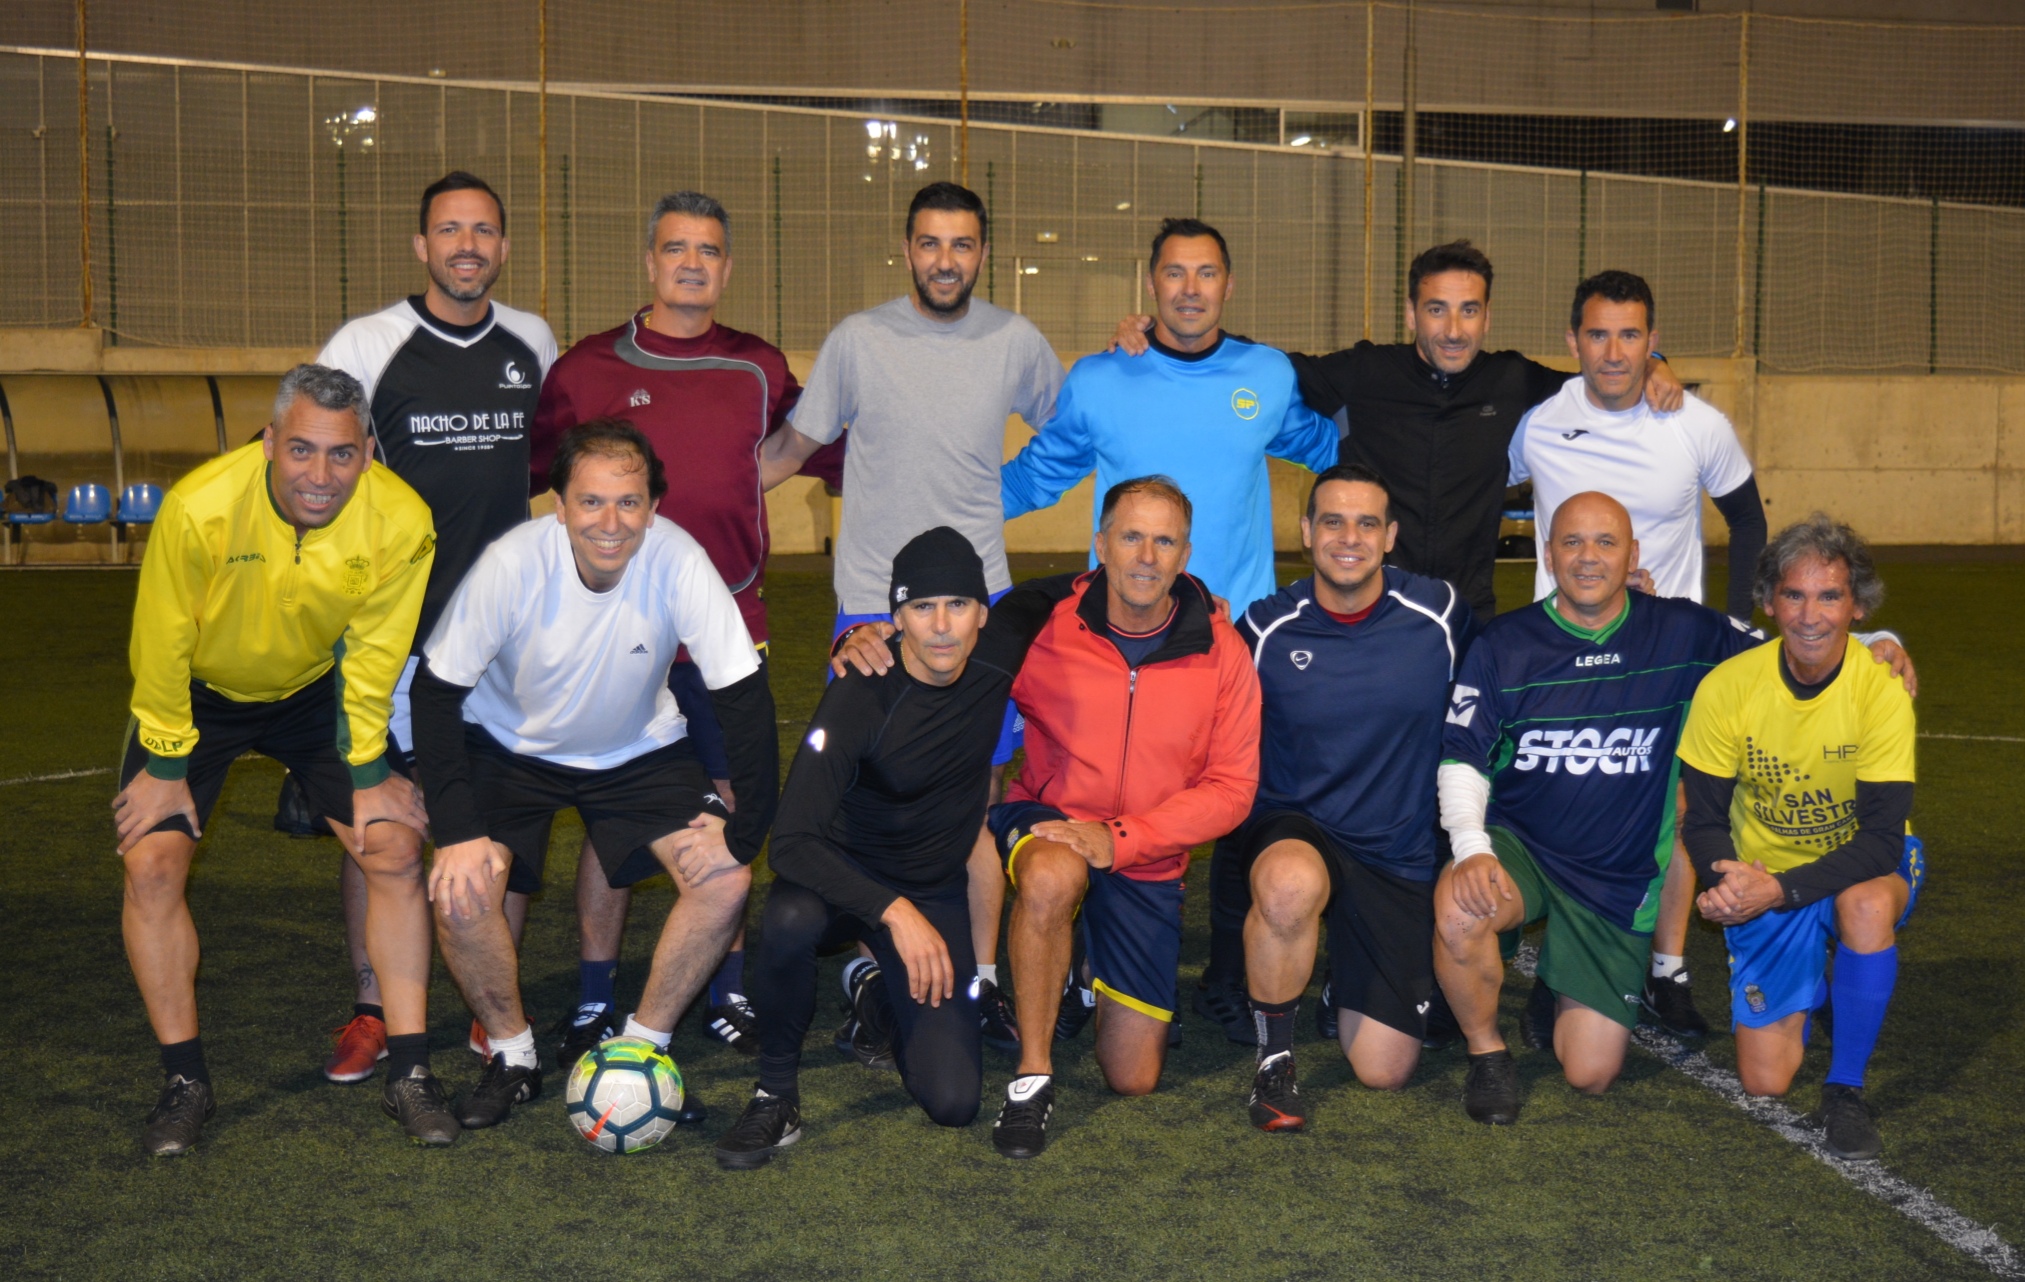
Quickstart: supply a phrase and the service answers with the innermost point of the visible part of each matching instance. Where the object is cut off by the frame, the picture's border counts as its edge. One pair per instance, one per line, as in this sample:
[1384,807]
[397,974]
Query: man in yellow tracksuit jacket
[278,601]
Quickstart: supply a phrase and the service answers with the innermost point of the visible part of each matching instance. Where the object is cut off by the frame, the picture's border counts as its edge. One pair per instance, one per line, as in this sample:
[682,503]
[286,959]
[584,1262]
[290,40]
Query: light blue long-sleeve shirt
[1207,423]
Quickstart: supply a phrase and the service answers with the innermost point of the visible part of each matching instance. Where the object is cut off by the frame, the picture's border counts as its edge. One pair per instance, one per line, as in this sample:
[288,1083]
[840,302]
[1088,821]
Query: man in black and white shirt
[452,378]
[545,686]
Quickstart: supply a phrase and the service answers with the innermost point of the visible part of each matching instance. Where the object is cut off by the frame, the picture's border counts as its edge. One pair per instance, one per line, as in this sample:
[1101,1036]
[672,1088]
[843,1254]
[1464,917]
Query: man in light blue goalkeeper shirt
[1204,408]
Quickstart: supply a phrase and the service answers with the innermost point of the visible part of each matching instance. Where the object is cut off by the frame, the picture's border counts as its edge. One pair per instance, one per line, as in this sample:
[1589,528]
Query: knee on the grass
[947,1103]
[1137,1078]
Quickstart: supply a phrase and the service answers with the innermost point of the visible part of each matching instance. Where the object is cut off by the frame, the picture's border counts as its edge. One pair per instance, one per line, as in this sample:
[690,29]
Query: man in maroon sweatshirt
[706,395]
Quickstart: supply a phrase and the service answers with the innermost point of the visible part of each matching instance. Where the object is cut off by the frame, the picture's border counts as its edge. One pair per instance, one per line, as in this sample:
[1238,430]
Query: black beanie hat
[937,562]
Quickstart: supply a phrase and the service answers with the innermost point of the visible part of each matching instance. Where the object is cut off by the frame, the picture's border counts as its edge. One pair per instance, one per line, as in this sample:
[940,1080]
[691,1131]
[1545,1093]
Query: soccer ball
[624,1095]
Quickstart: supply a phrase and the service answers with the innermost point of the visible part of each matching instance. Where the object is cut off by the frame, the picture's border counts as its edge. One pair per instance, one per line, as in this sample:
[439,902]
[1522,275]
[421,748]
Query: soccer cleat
[769,1124]
[996,1018]
[360,1045]
[501,1087]
[1078,1005]
[1851,1134]
[1022,1126]
[1536,1022]
[1276,1098]
[176,1122]
[1226,1004]
[735,1025]
[1671,1002]
[417,1103]
[478,1043]
[867,1036]
[1491,1092]
[1325,1012]
[579,1032]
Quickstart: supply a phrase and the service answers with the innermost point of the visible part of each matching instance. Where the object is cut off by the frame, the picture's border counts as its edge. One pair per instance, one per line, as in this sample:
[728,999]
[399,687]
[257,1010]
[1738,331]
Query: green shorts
[1582,956]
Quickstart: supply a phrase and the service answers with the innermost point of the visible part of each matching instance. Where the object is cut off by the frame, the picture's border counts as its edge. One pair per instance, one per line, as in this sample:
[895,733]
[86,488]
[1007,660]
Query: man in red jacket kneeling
[1142,740]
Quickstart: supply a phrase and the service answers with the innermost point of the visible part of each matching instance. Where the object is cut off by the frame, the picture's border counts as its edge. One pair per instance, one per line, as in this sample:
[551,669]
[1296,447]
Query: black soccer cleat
[1325,1012]
[1276,1098]
[1491,1092]
[769,1124]
[579,1032]
[735,1025]
[176,1122]
[1021,1130]
[1536,1022]
[499,1088]
[1850,1133]
[1078,1005]
[1229,1007]
[1671,1003]
[867,1036]
[418,1104]
[996,1019]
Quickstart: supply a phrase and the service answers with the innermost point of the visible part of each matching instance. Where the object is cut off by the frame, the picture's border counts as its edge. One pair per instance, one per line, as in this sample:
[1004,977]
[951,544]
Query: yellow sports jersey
[230,598]
[1798,761]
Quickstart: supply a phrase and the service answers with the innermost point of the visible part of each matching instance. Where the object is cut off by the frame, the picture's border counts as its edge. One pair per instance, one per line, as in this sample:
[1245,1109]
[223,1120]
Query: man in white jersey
[926,383]
[1599,433]
[545,686]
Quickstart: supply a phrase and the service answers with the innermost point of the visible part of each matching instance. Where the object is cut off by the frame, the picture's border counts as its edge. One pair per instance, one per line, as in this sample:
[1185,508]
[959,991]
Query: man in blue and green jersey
[1557,790]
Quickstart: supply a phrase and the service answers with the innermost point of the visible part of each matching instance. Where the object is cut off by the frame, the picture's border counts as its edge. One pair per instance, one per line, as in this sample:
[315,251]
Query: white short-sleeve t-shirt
[1657,465]
[577,677]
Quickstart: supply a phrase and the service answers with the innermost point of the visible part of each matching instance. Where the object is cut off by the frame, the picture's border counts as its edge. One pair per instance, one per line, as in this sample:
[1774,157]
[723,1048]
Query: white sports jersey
[577,677]
[1657,465]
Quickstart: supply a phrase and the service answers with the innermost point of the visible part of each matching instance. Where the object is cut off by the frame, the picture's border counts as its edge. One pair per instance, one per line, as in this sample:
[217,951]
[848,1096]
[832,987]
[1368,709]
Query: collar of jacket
[1188,633]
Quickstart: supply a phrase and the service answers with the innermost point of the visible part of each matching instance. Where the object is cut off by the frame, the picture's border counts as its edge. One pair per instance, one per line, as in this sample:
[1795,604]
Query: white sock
[1023,1088]
[1665,964]
[851,969]
[634,1028]
[518,1049]
[988,972]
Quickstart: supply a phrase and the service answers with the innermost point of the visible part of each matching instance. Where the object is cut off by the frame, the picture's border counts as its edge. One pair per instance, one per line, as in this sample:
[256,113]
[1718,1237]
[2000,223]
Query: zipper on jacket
[1125,752]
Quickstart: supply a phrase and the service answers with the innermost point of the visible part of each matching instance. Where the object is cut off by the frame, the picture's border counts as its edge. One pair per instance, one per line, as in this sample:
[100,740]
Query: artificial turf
[298,1178]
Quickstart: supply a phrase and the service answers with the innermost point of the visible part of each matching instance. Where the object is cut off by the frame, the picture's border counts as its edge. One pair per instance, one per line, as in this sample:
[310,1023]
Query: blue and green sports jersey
[1576,731]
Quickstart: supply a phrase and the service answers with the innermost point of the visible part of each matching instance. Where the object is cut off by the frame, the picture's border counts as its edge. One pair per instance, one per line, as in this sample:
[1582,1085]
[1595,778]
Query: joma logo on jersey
[1623,751]
[1463,706]
[1244,403]
[1597,660]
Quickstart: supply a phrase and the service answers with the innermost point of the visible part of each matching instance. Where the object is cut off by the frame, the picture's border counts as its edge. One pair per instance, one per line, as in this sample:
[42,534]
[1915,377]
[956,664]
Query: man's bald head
[1592,553]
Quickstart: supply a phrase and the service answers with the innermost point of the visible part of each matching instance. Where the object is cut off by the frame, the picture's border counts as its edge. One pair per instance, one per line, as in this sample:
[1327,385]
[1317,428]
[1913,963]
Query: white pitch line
[61,774]
[1976,738]
[1979,1242]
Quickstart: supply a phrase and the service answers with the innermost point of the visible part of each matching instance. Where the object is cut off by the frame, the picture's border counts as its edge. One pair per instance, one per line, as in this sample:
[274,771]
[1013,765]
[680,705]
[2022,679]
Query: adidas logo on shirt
[638,649]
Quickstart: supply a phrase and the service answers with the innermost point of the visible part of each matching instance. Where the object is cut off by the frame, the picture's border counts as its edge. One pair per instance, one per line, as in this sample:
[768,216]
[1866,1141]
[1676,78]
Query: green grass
[297,1178]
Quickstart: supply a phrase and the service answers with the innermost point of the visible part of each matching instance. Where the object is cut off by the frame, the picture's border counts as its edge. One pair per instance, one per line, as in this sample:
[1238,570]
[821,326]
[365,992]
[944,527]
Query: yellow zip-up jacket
[230,598]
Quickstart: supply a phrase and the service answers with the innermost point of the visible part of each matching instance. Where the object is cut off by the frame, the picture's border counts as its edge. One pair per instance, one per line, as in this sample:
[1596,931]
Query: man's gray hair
[1823,537]
[327,388]
[692,203]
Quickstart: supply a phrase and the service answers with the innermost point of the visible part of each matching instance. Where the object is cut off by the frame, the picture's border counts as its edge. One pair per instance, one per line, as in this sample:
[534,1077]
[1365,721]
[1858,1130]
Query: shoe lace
[1031,1111]
[760,1118]
[352,1030]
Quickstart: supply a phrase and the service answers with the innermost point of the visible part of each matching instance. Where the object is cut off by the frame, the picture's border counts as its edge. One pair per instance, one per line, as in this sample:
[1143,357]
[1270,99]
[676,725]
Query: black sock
[185,1060]
[405,1053]
[781,1076]
[368,1008]
[1275,1022]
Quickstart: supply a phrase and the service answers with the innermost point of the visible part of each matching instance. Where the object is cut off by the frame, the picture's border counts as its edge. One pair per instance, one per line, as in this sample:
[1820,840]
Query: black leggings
[940,1055]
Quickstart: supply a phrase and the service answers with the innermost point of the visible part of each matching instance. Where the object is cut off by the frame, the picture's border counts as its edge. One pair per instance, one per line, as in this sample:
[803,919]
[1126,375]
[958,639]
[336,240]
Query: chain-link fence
[249,206]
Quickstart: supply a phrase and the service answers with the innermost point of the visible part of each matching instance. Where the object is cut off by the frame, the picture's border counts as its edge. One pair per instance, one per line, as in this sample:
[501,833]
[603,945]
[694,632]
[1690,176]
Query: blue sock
[1820,1000]
[595,981]
[1860,993]
[729,981]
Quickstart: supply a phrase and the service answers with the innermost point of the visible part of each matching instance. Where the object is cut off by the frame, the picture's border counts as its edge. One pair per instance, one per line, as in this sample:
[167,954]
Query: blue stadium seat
[87,504]
[30,518]
[1517,514]
[139,503]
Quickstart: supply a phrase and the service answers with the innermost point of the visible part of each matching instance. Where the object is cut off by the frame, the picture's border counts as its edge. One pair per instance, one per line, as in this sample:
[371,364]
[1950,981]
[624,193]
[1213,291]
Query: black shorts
[1381,925]
[625,808]
[301,732]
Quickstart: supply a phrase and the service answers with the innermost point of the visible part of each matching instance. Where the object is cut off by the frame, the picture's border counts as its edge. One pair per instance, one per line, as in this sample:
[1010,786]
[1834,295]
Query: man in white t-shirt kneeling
[545,686]
[1598,433]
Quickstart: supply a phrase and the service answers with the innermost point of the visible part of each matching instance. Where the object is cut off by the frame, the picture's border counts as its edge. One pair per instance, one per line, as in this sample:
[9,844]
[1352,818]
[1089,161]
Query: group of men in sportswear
[1356,743]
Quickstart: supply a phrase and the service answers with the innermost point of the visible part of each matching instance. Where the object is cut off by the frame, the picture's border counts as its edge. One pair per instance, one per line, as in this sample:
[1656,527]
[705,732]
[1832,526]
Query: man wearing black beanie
[882,806]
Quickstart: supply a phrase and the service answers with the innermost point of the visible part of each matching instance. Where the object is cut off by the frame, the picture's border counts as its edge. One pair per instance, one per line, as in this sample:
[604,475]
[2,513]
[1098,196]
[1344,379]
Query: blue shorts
[1010,735]
[1779,959]
[1133,927]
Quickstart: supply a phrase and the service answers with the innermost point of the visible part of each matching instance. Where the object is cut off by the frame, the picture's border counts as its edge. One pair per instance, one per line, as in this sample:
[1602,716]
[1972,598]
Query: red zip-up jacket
[1167,754]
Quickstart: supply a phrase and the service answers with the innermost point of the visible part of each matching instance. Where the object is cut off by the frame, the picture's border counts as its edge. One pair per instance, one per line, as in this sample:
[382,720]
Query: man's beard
[464,293]
[928,300]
